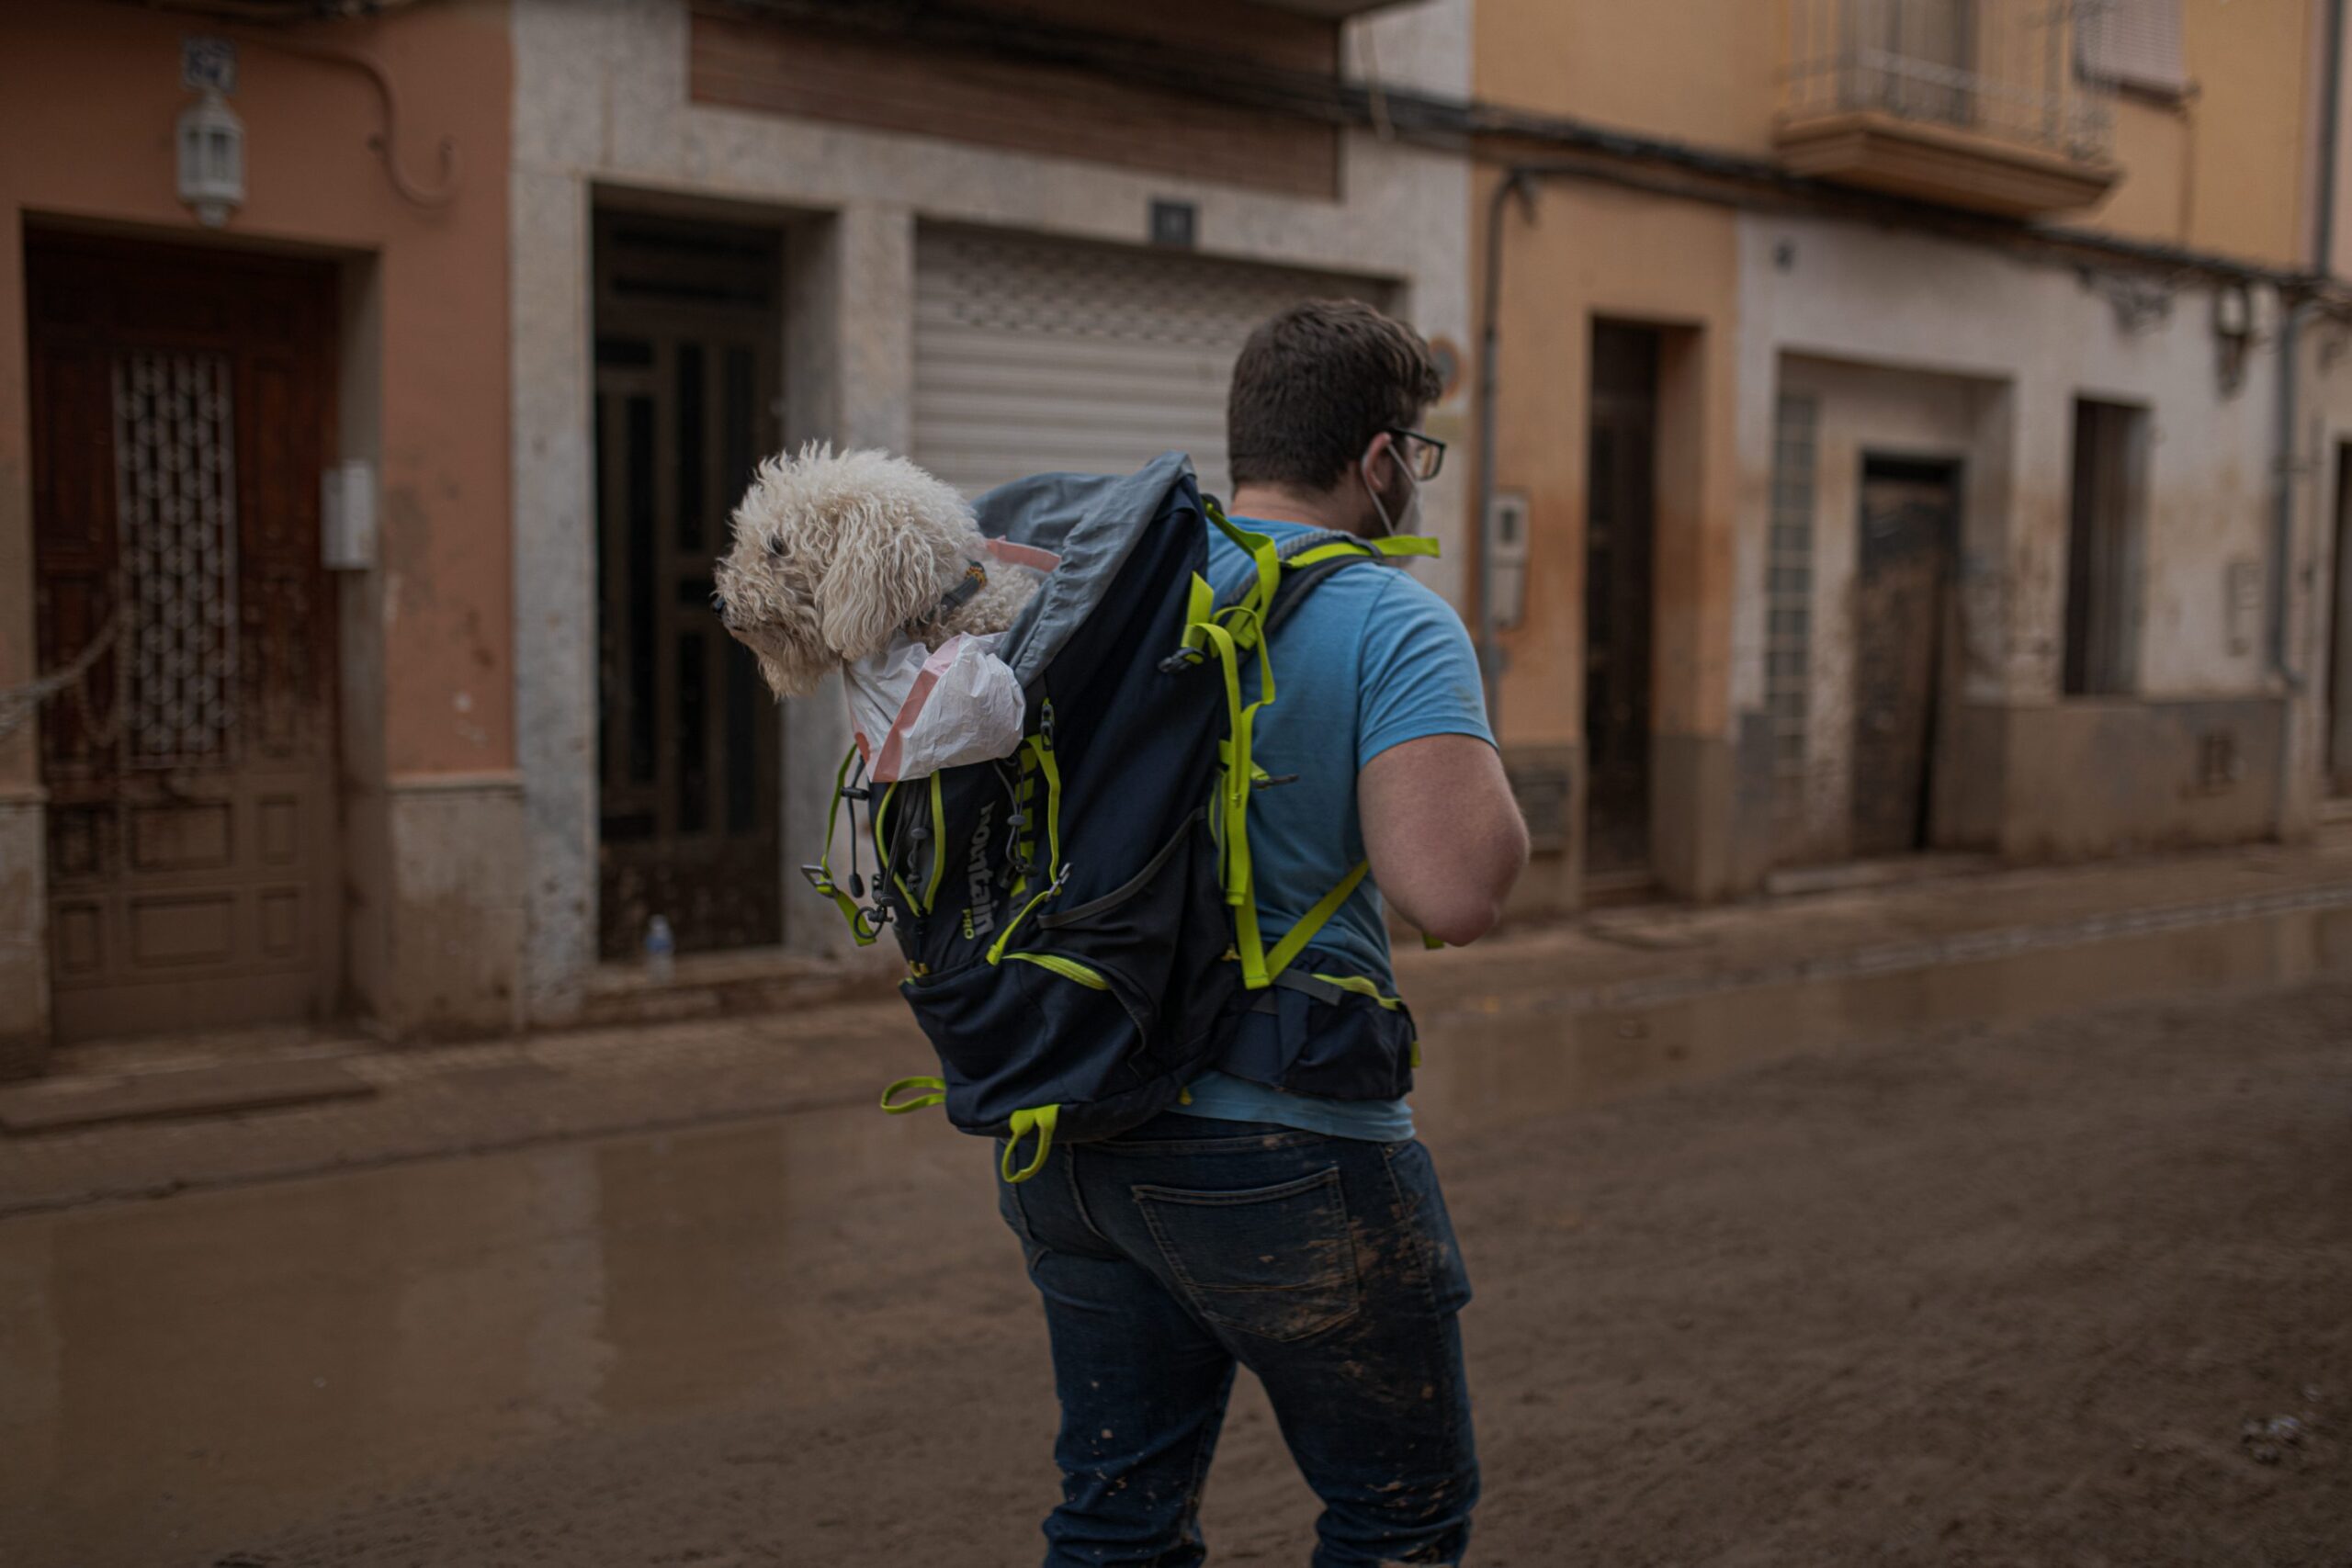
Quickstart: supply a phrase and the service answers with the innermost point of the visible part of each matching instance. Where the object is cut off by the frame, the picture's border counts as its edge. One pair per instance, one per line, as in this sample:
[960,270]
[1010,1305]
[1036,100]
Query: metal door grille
[1787,665]
[175,487]
[689,332]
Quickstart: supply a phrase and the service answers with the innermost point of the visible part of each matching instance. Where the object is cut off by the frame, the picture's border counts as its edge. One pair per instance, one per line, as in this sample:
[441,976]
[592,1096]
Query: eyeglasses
[1423,454]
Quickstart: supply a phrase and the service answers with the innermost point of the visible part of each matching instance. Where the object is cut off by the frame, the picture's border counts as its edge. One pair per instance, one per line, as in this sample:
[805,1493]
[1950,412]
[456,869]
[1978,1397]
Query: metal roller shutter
[1032,355]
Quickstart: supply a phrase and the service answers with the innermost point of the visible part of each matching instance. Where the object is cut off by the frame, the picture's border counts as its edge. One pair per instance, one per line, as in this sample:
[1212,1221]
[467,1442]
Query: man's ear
[1367,475]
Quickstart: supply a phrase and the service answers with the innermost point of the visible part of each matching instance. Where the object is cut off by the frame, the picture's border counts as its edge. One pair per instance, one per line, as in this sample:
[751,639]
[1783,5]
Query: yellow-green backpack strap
[1039,1119]
[1295,940]
[935,1094]
[820,875]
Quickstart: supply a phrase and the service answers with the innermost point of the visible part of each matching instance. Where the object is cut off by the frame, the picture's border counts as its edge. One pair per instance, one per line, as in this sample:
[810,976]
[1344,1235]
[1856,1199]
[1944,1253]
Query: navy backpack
[1078,920]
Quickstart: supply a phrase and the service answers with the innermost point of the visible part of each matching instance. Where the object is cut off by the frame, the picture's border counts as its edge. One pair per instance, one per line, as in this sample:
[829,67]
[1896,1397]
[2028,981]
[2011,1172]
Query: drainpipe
[1515,183]
[2282,517]
[2283,523]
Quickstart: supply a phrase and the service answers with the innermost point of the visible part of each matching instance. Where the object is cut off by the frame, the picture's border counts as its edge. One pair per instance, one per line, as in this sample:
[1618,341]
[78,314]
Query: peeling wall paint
[1895,330]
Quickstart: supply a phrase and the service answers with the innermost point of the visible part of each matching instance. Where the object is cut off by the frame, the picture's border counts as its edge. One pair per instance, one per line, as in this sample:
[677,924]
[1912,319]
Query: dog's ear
[796,669]
[890,563]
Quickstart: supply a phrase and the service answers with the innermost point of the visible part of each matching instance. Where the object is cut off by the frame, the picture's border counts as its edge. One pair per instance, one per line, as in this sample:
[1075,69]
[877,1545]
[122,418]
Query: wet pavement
[1529,1059]
[179,1376]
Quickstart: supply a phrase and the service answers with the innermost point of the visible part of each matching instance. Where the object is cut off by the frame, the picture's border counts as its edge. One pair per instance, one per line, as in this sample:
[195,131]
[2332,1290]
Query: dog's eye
[776,547]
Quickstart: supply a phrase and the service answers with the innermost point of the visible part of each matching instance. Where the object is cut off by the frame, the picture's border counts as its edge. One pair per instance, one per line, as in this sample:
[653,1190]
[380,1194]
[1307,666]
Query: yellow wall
[2221,172]
[2154,200]
[2250,120]
[2225,169]
[1669,264]
[1701,69]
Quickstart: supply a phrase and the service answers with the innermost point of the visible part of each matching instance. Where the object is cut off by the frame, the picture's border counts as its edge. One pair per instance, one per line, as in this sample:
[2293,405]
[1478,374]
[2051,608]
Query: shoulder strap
[1309,558]
[1298,582]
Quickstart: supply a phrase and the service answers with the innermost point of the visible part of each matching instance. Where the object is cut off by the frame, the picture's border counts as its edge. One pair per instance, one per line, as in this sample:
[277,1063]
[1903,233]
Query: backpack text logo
[980,917]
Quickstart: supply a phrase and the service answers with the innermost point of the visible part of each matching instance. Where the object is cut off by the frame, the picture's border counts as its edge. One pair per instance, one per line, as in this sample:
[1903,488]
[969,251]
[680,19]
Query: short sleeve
[1417,672]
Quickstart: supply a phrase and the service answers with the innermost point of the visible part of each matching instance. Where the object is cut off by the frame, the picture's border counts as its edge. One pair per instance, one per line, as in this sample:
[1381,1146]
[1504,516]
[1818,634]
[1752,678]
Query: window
[1927,50]
[2104,539]
[2133,44]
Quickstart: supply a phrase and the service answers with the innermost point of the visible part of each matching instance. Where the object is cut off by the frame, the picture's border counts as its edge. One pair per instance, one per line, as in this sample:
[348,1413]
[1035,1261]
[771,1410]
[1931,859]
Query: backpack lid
[1092,522]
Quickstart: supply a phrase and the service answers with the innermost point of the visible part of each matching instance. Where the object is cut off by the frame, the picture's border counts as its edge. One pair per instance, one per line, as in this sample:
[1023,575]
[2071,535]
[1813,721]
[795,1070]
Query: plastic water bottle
[661,950]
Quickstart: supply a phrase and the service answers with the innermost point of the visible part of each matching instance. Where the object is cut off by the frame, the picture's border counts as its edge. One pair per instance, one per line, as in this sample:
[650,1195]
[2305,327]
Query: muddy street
[2044,1257]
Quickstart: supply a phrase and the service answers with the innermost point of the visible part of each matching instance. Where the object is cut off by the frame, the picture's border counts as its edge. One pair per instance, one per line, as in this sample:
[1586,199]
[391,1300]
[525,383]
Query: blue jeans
[1327,1265]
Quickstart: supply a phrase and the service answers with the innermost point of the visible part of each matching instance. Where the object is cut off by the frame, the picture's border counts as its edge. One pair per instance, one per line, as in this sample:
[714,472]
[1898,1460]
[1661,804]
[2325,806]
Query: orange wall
[2155,146]
[2225,169]
[1703,70]
[2251,122]
[88,94]
[1594,252]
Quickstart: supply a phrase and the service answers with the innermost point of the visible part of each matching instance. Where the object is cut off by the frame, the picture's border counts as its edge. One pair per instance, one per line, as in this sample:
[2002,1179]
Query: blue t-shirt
[1371,660]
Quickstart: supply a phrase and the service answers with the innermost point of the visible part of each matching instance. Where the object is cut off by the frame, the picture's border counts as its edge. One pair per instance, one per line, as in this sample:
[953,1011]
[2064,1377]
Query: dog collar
[975,578]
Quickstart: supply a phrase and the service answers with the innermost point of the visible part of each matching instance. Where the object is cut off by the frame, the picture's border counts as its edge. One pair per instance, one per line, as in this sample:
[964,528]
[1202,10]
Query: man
[1303,1238]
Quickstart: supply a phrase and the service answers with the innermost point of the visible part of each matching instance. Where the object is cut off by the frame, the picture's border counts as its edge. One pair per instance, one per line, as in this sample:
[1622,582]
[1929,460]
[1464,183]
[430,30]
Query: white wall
[1868,411]
[1907,301]
[1933,310]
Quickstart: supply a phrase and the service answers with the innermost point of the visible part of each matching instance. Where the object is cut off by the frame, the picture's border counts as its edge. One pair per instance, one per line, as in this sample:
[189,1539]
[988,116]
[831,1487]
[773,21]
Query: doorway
[688,382]
[182,412]
[1909,529]
[2337,713]
[1621,527]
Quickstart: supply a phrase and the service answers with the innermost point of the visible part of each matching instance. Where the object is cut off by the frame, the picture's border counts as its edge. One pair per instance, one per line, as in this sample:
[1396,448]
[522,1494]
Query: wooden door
[689,341]
[182,413]
[1620,525]
[2338,765]
[1908,525]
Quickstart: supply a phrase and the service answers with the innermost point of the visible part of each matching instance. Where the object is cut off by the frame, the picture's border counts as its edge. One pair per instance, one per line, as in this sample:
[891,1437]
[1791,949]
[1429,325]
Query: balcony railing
[2002,69]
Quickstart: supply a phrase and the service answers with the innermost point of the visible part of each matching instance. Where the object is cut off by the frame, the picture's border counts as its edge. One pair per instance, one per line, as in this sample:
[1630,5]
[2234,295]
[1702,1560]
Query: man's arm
[1442,832]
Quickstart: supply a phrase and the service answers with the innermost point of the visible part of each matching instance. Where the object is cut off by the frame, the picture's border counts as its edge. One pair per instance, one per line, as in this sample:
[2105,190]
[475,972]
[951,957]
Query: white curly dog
[834,553]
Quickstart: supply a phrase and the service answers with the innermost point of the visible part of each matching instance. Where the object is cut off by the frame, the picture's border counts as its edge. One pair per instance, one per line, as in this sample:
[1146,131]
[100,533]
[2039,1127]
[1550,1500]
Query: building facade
[1915,425]
[1001,243]
[357,523]
[1920,428]
[252,770]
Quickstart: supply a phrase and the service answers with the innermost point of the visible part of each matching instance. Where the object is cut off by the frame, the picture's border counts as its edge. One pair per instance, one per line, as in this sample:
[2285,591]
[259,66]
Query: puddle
[1513,1063]
[176,1377]
[182,1377]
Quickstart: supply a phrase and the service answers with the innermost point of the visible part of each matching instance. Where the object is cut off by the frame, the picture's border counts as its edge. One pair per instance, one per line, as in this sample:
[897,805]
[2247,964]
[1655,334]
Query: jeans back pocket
[1276,1262]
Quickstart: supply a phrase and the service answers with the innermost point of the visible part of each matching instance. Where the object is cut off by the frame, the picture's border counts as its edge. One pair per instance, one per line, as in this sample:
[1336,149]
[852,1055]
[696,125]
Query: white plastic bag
[915,711]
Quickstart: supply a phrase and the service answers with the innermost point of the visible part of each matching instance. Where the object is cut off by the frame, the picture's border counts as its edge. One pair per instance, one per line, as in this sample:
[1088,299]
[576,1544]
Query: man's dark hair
[1314,386]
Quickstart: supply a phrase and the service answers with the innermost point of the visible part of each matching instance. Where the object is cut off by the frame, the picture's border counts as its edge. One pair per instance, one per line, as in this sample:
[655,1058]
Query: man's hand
[1442,832]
